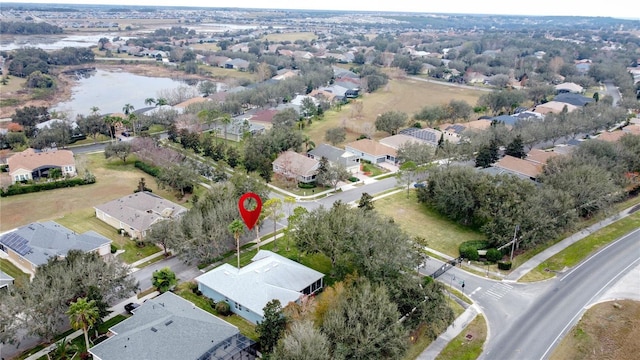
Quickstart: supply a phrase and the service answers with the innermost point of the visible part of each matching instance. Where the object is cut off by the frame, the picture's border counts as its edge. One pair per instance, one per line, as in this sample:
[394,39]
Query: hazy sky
[613,8]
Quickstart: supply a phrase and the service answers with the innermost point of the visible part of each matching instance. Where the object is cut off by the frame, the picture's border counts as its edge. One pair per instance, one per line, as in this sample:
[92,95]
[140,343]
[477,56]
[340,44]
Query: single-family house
[336,156]
[540,156]
[399,140]
[238,64]
[518,166]
[32,164]
[6,280]
[269,276]
[236,129]
[569,87]
[573,99]
[32,245]
[426,135]
[372,151]
[169,327]
[264,116]
[135,213]
[290,164]
[555,107]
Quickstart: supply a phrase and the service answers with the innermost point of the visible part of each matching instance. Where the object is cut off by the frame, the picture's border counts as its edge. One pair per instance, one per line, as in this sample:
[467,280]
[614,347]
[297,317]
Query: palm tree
[273,211]
[132,120]
[64,350]
[161,101]
[226,120]
[83,314]
[95,110]
[308,143]
[110,121]
[149,101]
[237,228]
[127,109]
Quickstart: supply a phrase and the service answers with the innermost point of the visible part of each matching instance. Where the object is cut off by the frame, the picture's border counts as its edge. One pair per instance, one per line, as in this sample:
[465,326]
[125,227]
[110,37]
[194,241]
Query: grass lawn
[462,348]
[13,84]
[289,36]
[246,328]
[113,180]
[580,250]
[606,331]
[417,220]
[403,94]
[220,73]
[20,278]
[372,170]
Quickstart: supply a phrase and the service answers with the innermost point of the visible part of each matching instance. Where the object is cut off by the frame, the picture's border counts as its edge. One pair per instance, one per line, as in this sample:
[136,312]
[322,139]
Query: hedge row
[149,169]
[17,189]
[469,249]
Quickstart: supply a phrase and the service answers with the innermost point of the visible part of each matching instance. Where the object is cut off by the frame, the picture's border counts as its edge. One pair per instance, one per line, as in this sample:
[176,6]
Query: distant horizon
[614,9]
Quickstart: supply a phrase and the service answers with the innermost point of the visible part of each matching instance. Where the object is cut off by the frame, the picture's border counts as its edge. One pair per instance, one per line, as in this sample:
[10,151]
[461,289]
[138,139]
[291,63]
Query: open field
[417,220]
[13,84]
[403,94]
[113,180]
[580,250]
[289,36]
[606,331]
[462,348]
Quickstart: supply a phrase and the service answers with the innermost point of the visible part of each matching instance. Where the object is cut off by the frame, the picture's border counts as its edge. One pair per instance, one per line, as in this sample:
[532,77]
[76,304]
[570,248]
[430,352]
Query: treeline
[573,186]
[23,62]
[28,28]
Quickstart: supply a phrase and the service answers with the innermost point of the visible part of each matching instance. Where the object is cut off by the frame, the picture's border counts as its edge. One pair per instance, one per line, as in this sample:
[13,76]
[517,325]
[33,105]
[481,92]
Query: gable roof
[573,99]
[269,276]
[142,209]
[372,147]
[554,107]
[167,327]
[39,241]
[540,156]
[296,163]
[519,166]
[398,140]
[334,155]
[569,86]
[31,159]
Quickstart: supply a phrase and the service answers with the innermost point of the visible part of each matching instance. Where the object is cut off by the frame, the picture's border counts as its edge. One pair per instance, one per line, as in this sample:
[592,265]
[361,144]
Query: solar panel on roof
[17,243]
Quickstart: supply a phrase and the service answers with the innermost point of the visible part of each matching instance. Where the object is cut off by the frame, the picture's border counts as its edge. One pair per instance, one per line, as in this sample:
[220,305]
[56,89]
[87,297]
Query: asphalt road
[540,326]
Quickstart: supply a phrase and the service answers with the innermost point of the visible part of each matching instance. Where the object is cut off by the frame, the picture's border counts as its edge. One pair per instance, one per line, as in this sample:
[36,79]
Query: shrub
[504,265]
[113,249]
[17,189]
[223,308]
[469,249]
[493,255]
[149,169]
[354,179]
[306,185]
[363,136]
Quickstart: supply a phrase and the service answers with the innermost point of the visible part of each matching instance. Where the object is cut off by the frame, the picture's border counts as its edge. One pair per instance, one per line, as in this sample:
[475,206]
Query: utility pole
[513,243]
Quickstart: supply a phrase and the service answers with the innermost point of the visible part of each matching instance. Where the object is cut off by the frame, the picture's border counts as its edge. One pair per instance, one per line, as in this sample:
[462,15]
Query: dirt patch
[608,330]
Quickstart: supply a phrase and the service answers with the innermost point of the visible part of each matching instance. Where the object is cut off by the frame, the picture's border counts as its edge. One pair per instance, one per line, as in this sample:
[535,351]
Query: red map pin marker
[250,217]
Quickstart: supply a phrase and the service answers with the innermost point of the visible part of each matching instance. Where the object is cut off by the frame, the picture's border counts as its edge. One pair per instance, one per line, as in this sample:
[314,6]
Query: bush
[149,169]
[17,189]
[223,308]
[469,249]
[113,249]
[494,255]
[306,185]
[504,265]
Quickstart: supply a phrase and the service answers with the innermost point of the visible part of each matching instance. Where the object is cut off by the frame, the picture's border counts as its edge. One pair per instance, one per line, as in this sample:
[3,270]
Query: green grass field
[20,278]
[582,249]
[416,219]
[462,348]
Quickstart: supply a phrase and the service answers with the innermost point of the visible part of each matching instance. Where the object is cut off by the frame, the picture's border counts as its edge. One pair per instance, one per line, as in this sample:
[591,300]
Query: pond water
[111,90]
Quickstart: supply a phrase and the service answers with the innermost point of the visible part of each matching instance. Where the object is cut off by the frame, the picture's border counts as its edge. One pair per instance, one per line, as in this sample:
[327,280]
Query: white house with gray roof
[135,213]
[169,327]
[32,245]
[336,156]
[269,276]
[5,279]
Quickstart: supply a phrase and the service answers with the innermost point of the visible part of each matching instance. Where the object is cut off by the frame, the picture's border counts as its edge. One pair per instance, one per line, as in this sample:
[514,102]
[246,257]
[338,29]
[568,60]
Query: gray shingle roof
[167,327]
[269,276]
[37,242]
[334,155]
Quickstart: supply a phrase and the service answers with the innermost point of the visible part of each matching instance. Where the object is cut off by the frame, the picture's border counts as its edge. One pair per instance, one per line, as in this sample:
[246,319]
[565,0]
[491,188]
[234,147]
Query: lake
[111,90]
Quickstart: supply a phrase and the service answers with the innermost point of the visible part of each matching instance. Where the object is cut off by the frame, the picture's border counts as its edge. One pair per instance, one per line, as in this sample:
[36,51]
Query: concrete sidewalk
[115,310]
[530,264]
[434,349]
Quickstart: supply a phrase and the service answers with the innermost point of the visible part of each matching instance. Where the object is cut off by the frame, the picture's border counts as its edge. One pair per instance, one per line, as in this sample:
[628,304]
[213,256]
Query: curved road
[540,325]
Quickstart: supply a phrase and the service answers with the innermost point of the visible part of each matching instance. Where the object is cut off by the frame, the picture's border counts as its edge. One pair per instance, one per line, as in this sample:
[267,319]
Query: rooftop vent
[154,329]
[168,323]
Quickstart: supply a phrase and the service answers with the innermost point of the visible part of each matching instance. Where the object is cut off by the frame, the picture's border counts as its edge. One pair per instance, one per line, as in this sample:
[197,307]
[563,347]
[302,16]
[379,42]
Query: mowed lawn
[404,94]
[416,219]
[113,180]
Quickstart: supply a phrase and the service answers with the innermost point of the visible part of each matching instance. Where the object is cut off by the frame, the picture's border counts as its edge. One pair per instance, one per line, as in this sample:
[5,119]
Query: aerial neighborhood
[186,182]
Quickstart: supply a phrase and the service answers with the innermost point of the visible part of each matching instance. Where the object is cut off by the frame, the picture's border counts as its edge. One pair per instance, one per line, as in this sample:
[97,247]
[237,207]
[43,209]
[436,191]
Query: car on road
[419,185]
[131,307]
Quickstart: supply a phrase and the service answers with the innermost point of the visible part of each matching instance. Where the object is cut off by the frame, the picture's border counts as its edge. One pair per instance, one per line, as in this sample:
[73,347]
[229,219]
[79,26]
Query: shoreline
[65,83]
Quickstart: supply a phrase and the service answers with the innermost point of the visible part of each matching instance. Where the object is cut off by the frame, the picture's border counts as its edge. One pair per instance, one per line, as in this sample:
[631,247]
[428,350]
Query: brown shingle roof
[295,163]
[519,166]
[372,147]
[540,156]
[188,102]
[30,159]
[612,136]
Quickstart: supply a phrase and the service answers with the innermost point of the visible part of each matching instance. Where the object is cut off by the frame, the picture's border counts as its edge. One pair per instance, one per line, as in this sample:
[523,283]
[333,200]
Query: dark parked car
[419,185]
[130,307]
